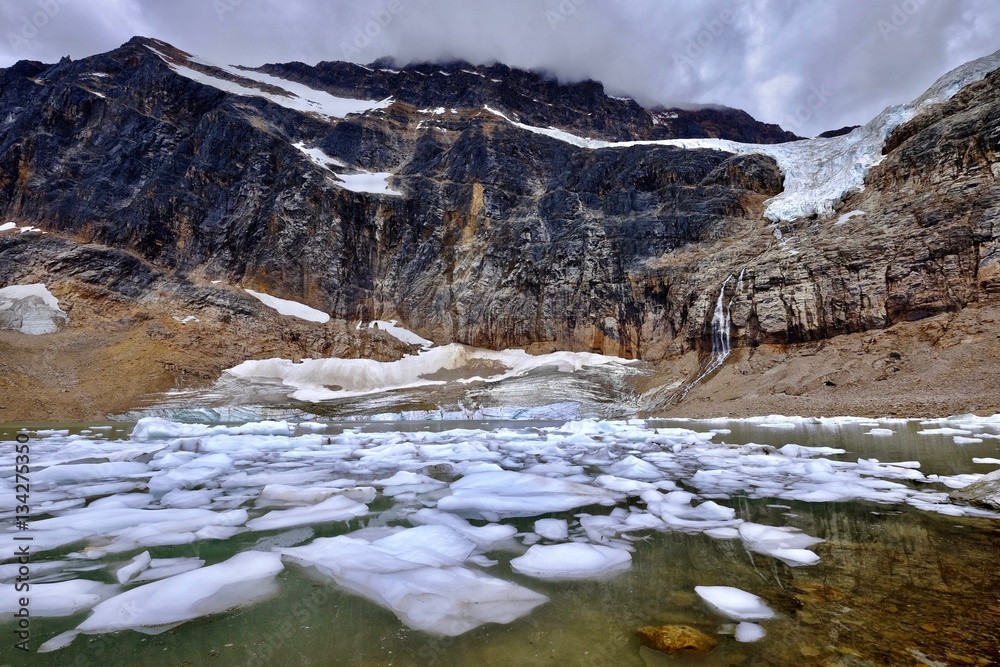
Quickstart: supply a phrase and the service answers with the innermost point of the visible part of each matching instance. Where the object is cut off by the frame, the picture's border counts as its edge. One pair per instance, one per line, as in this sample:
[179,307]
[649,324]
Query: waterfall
[721,325]
[720,330]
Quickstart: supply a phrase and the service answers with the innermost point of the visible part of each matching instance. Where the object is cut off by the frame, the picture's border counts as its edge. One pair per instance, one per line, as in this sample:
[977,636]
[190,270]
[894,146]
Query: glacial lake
[902,576]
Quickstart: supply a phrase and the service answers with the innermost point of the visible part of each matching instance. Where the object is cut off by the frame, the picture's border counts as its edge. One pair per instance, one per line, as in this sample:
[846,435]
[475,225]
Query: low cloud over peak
[807,66]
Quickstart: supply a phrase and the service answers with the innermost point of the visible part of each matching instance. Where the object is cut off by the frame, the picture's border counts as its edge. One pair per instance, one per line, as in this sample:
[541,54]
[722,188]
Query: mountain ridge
[469,226]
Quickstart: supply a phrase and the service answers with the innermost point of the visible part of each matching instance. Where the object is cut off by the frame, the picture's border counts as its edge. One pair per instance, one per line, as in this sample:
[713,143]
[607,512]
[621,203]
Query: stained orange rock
[674,638]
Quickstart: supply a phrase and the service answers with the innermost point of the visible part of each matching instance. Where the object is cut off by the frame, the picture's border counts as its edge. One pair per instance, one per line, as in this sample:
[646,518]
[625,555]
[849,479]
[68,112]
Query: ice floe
[63,598]
[506,493]
[737,604]
[153,608]
[571,561]
[418,574]
[749,632]
[441,510]
[337,508]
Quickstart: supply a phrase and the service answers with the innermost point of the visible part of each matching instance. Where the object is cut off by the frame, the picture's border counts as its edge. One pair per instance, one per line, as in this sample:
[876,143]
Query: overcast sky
[809,65]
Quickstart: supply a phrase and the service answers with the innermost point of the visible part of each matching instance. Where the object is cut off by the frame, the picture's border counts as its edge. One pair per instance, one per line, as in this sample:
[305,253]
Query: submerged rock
[985,492]
[674,638]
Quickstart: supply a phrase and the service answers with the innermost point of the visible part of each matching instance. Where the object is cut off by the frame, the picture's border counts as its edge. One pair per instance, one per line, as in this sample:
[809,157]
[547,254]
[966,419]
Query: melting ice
[433,526]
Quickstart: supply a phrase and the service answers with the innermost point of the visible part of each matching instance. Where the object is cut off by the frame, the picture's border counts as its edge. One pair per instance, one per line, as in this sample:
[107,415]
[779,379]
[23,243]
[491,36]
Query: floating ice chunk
[552,529]
[946,430]
[486,537]
[310,495]
[188,499]
[723,533]
[133,568]
[749,632]
[509,494]
[795,557]
[151,428]
[63,598]
[194,472]
[203,525]
[986,461]
[337,508]
[10,571]
[629,487]
[161,568]
[798,451]
[264,479]
[961,440]
[881,432]
[632,467]
[415,573]
[409,481]
[571,561]
[245,578]
[289,538]
[131,527]
[786,544]
[447,601]
[737,604]
[88,471]
[311,427]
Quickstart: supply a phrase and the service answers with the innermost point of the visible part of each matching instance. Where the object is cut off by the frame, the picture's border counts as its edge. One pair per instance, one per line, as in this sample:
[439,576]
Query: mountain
[480,205]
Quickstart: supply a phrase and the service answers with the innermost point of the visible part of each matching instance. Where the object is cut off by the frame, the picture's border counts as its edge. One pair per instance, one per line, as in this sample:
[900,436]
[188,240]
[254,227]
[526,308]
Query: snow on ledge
[296,96]
[291,308]
[401,334]
[371,182]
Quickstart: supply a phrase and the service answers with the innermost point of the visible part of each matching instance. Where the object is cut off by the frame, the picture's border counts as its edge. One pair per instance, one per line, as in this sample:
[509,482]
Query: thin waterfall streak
[721,324]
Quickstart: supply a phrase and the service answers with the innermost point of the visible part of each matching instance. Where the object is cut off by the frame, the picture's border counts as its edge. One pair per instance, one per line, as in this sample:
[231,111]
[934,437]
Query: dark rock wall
[503,237]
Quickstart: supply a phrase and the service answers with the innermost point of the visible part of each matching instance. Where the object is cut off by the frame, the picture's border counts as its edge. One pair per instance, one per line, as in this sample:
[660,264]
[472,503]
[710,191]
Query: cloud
[808,66]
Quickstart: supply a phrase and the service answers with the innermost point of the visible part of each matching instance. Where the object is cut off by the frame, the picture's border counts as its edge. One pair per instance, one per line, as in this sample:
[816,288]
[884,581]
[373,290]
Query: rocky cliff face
[435,205]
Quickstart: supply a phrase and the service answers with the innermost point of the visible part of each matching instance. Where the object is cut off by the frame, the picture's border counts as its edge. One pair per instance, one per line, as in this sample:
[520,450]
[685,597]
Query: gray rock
[985,492]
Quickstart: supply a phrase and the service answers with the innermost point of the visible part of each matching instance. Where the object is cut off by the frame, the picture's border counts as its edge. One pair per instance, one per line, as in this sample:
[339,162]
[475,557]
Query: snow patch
[291,308]
[290,94]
